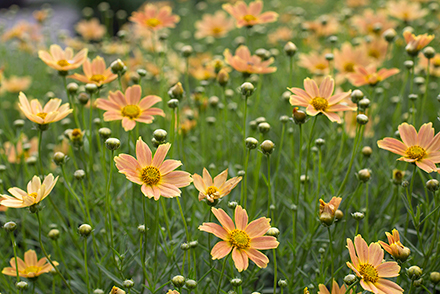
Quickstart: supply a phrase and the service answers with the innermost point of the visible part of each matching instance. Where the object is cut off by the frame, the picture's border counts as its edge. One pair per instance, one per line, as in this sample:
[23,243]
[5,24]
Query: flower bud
[186,51]
[405,184]
[262,53]
[414,272]
[18,124]
[299,116]
[184,246]
[356,96]
[290,49]
[112,144]
[329,56]
[273,232]
[264,127]
[389,35]
[358,215]
[247,89]
[160,135]
[59,158]
[251,143]
[412,97]
[267,147]
[72,88]
[83,98]
[236,282]
[91,88]
[367,151]
[319,142]
[362,119]
[432,185]
[282,283]
[98,291]
[222,77]
[128,284]
[178,281]
[141,229]
[284,119]
[418,283]
[79,174]
[85,230]
[176,92]
[349,279]
[339,214]
[364,104]
[117,66]
[104,133]
[10,227]
[232,204]
[435,277]
[364,175]
[190,284]
[408,64]
[141,72]
[22,285]
[53,234]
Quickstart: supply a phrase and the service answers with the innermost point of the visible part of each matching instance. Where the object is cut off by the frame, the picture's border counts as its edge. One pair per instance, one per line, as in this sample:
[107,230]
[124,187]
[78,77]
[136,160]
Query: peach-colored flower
[36,192]
[24,149]
[314,62]
[30,268]
[369,266]
[434,64]
[320,100]
[416,43]
[52,111]
[216,25]
[282,34]
[129,107]
[348,57]
[63,60]
[395,247]
[244,62]
[217,189]
[242,238]
[376,49]
[172,292]
[16,84]
[91,30]
[406,10]
[327,210]
[369,75]
[2,207]
[41,15]
[372,22]
[421,148]
[323,26]
[250,15]
[335,289]
[95,72]
[157,177]
[155,18]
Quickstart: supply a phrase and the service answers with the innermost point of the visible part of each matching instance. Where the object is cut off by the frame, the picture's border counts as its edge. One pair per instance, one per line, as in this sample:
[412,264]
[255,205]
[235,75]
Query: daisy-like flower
[242,238]
[327,210]
[395,247]
[157,177]
[15,84]
[154,18]
[91,29]
[420,148]
[367,263]
[348,57]
[116,290]
[2,207]
[63,60]
[369,75]
[52,111]
[129,107]
[24,148]
[36,192]
[406,10]
[244,62]
[416,43]
[95,72]
[316,63]
[31,267]
[216,25]
[320,100]
[217,189]
[335,289]
[251,15]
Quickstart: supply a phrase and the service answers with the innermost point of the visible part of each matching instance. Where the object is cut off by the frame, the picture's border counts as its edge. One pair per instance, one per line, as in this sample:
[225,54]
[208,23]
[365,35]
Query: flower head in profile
[248,16]
[155,18]
[335,289]
[416,43]
[129,107]
[62,60]
[369,75]
[116,290]
[90,30]
[31,267]
[95,73]
[327,210]
[36,192]
[244,62]
[156,175]
[242,238]
[217,189]
[15,84]
[2,207]
[420,148]
[320,100]
[367,263]
[51,112]
[395,247]
[216,25]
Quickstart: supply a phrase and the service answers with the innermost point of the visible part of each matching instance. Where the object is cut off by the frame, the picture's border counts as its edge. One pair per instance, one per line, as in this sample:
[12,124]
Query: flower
[2,207]
[327,210]
[15,84]
[369,76]
[416,43]
[242,238]
[91,29]
[316,63]
[155,18]
[215,25]
[320,100]
[52,111]
[156,176]
[420,148]
[372,22]
[406,10]
[36,192]
[216,190]
[24,148]
[116,290]
[243,62]
[348,57]
[394,247]
[250,15]
[335,289]
[95,72]
[129,107]
[369,266]
[31,267]
[172,292]
[63,60]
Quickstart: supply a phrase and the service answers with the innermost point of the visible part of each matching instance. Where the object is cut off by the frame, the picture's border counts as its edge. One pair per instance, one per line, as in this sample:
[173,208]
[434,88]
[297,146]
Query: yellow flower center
[31,270]
[374,53]
[415,152]
[152,22]
[249,18]
[63,62]
[321,66]
[217,30]
[33,195]
[319,103]
[349,67]
[368,273]
[42,115]
[97,78]
[239,239]
[131,111]
[211,190]
[150,175]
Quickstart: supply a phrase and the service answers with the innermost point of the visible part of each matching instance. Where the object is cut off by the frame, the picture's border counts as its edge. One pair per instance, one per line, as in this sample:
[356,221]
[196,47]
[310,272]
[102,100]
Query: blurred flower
[372,22]
[327,210]
[420,148]
[369,76]
[217,189]
[30,268]
[61,60]
[416,43]
[406,10]
[115,48]
[281,34]
[250,15]
[172,292]
[16,84]
[242,238]
[95,72]
[376,49]
[323,26]
[156,176]
[350,123]
[41,15]
[243,62]
[155,18]
[91,30]
[395,247]
[16,153]
[348,57]
[52,111]
[24,32]
[215,25]
[335,289]
[314,62]
[434,64]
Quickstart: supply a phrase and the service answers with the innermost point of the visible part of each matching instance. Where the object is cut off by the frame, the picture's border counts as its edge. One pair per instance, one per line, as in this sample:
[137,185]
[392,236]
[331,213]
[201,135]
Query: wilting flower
[61,60]
[395,247]
[320,100]
[36,192]
[420,148]
[215,25]
[15,84]
[369,75]
[154,18]
[416,43]
[242,238]
[335,289]
[31,267]
[52,111]
[116,290]
[95,72]
[129,107]
[75,136]
[327,210]
[157,177]
[91,29]
[250,15]
[217,189]
[398,176]
[243,62]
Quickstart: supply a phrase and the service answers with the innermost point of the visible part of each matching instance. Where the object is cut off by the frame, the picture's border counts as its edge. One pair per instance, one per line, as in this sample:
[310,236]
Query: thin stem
[243,198]
[275,271]
[332,260]
[70,189]
[108,206]
[269,189]
[221,275]
[40,163]
[14,246]
[426,90]
[244,123]
[307,160]
[85,265]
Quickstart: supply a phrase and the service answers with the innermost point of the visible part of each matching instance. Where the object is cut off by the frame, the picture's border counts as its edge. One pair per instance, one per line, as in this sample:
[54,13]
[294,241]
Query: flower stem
[426,91]
[269,189]
[307,161]
[221,275]
[108,206]
[332,260]
[85,266]
[14,246]
[243,198]
[40,163]
[275,271]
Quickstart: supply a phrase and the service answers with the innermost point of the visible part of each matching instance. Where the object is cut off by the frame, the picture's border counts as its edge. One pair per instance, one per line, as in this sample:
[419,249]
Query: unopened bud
[251,143]
[232,204]
[364,175]
[282,283]
[117,66]
[59,158]
[186,51]
[22,285]
[358,215]
[178,281]
[263,127]
[247,89]
[356,96]
[85,230]
[414,272]
[91,88]
[274,232]
[112,144]
[79,174]
[367,151]
[267,147]
[236,282]
[53,234]
[339,214]
[176,92]
[190,284]
[160,135]
[432,185]
[389,35]
[435,277]
[299,116]
[10,227]
[128,284]
[223,77]
[349,279]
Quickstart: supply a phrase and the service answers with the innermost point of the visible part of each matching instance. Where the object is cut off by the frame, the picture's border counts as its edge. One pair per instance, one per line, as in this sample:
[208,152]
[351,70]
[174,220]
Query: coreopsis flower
[395,247]
[416,43]
[372,22]
[243,239]
[327,210]
[320,100]
[346,58]
[155,18]
[420,148]
[30,268]
[36,192]
[216,25]
[335,289]
[217,189]
[91,30]
[323,26]
[406,10]
[15,84]
[369,75]
[248,16]
[244,62]
[376,49]
[52,111]
[22,150]
[2,207]
[116,290]
[63,60]
[157,177]
[281,34]
[367,263]
[129,107]
[95,73]
[314,62]
[41,15]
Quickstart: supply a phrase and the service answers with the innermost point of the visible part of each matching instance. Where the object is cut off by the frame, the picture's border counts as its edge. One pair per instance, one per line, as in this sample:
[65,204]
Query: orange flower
[16,84]
[62,60]
[217,189]
[242,238]
[335,289]
[2,207]
[394,247]
[416,43]
[217,25]
[406,10]
[282,34]
[369,76]
[243,62]
[421,149]
[369,266]
[320,100]
[348,57]
[155,18]
[327,210]
[30,268]
[95,72]
[24,148]
[323,26]
[314,62]
[372,22]
[91,29]
[376,49]
[250,15]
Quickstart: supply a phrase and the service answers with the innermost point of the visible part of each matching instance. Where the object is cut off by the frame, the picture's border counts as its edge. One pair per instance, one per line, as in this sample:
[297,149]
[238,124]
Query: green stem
[70,189]
[426,91]
[269,189]
[85,266]
[40,162]
[14,246]
[221,274]
[275,271]
[306,182]
[332,260]
[108,206]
